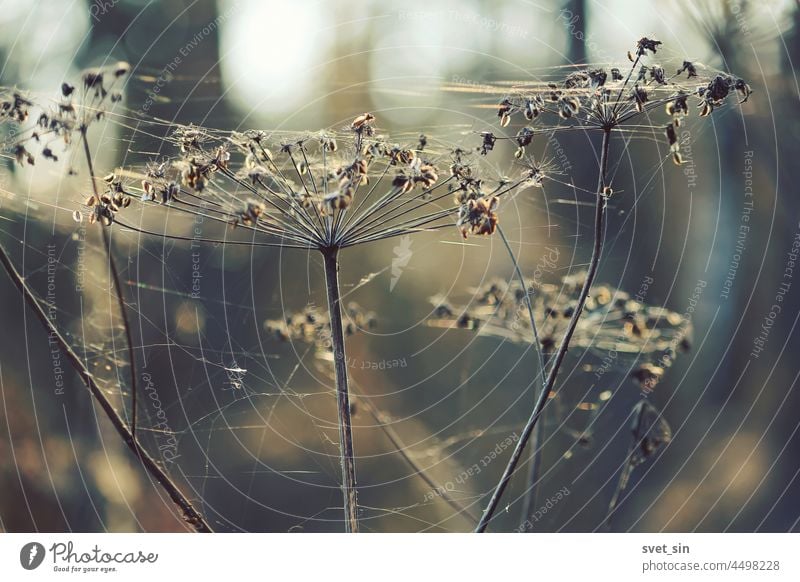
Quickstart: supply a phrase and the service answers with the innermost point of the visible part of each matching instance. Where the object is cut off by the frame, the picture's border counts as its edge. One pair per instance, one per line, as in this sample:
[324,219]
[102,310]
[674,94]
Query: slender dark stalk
[622,483]
[537,344]
[346,454]
[599,221]
[538,438]
[530,503]
[192,516]
[115,279]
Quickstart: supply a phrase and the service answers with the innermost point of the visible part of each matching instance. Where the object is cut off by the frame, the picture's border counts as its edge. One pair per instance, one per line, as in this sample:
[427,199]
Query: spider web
[248,422]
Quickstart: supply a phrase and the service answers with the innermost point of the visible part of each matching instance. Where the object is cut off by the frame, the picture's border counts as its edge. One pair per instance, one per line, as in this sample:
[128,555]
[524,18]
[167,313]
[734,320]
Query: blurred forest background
[254,419]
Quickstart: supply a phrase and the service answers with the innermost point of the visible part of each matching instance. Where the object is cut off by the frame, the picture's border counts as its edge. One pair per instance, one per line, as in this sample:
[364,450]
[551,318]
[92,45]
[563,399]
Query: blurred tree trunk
[576,43]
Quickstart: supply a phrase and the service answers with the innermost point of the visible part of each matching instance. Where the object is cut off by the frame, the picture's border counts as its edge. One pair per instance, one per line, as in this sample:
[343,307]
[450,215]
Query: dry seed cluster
[611,321]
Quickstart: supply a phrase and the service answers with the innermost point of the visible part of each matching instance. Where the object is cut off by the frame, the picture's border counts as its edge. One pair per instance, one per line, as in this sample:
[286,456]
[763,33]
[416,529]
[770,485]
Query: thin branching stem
[537,344]
[385,216]
[249,243]
[302,222]
[313,182]
[599,223]
[530,501]
[116,281]
[348,221]
[536,445]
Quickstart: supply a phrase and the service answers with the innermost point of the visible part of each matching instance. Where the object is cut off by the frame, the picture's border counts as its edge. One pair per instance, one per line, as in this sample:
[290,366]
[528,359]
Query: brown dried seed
[361,120]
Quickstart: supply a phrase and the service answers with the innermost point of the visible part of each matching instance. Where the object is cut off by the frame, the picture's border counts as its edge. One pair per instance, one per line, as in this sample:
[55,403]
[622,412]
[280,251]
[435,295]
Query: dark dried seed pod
[531,110]
[691,70]
[524,136]
[657,74]
[672,137]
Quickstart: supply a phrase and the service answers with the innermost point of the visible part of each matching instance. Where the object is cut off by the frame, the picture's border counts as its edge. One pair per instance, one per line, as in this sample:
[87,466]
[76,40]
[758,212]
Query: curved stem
[597,248]
[538,438]
[537,343]
[115,280]
[529,504]
[192,516]
[346,454]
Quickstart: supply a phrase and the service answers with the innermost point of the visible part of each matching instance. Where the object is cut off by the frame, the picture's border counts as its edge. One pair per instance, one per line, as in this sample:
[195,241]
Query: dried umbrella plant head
[605,98]
[49,129]
[325,191]
[328,191]
[313,326]
[612,321]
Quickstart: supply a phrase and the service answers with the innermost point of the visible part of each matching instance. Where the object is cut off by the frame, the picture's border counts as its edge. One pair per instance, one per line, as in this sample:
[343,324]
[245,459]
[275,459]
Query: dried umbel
[612,321]
[56,125]
[325,191]
[602,101]
[599,98]
[329,190]
[313,326]
[77,108]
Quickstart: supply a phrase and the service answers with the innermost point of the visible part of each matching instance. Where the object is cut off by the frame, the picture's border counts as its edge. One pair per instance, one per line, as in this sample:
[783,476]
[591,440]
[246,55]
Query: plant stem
[599,221]
[346,455]
[537,345]
[538,438]
[192,516]
[116,282]
[529,504]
